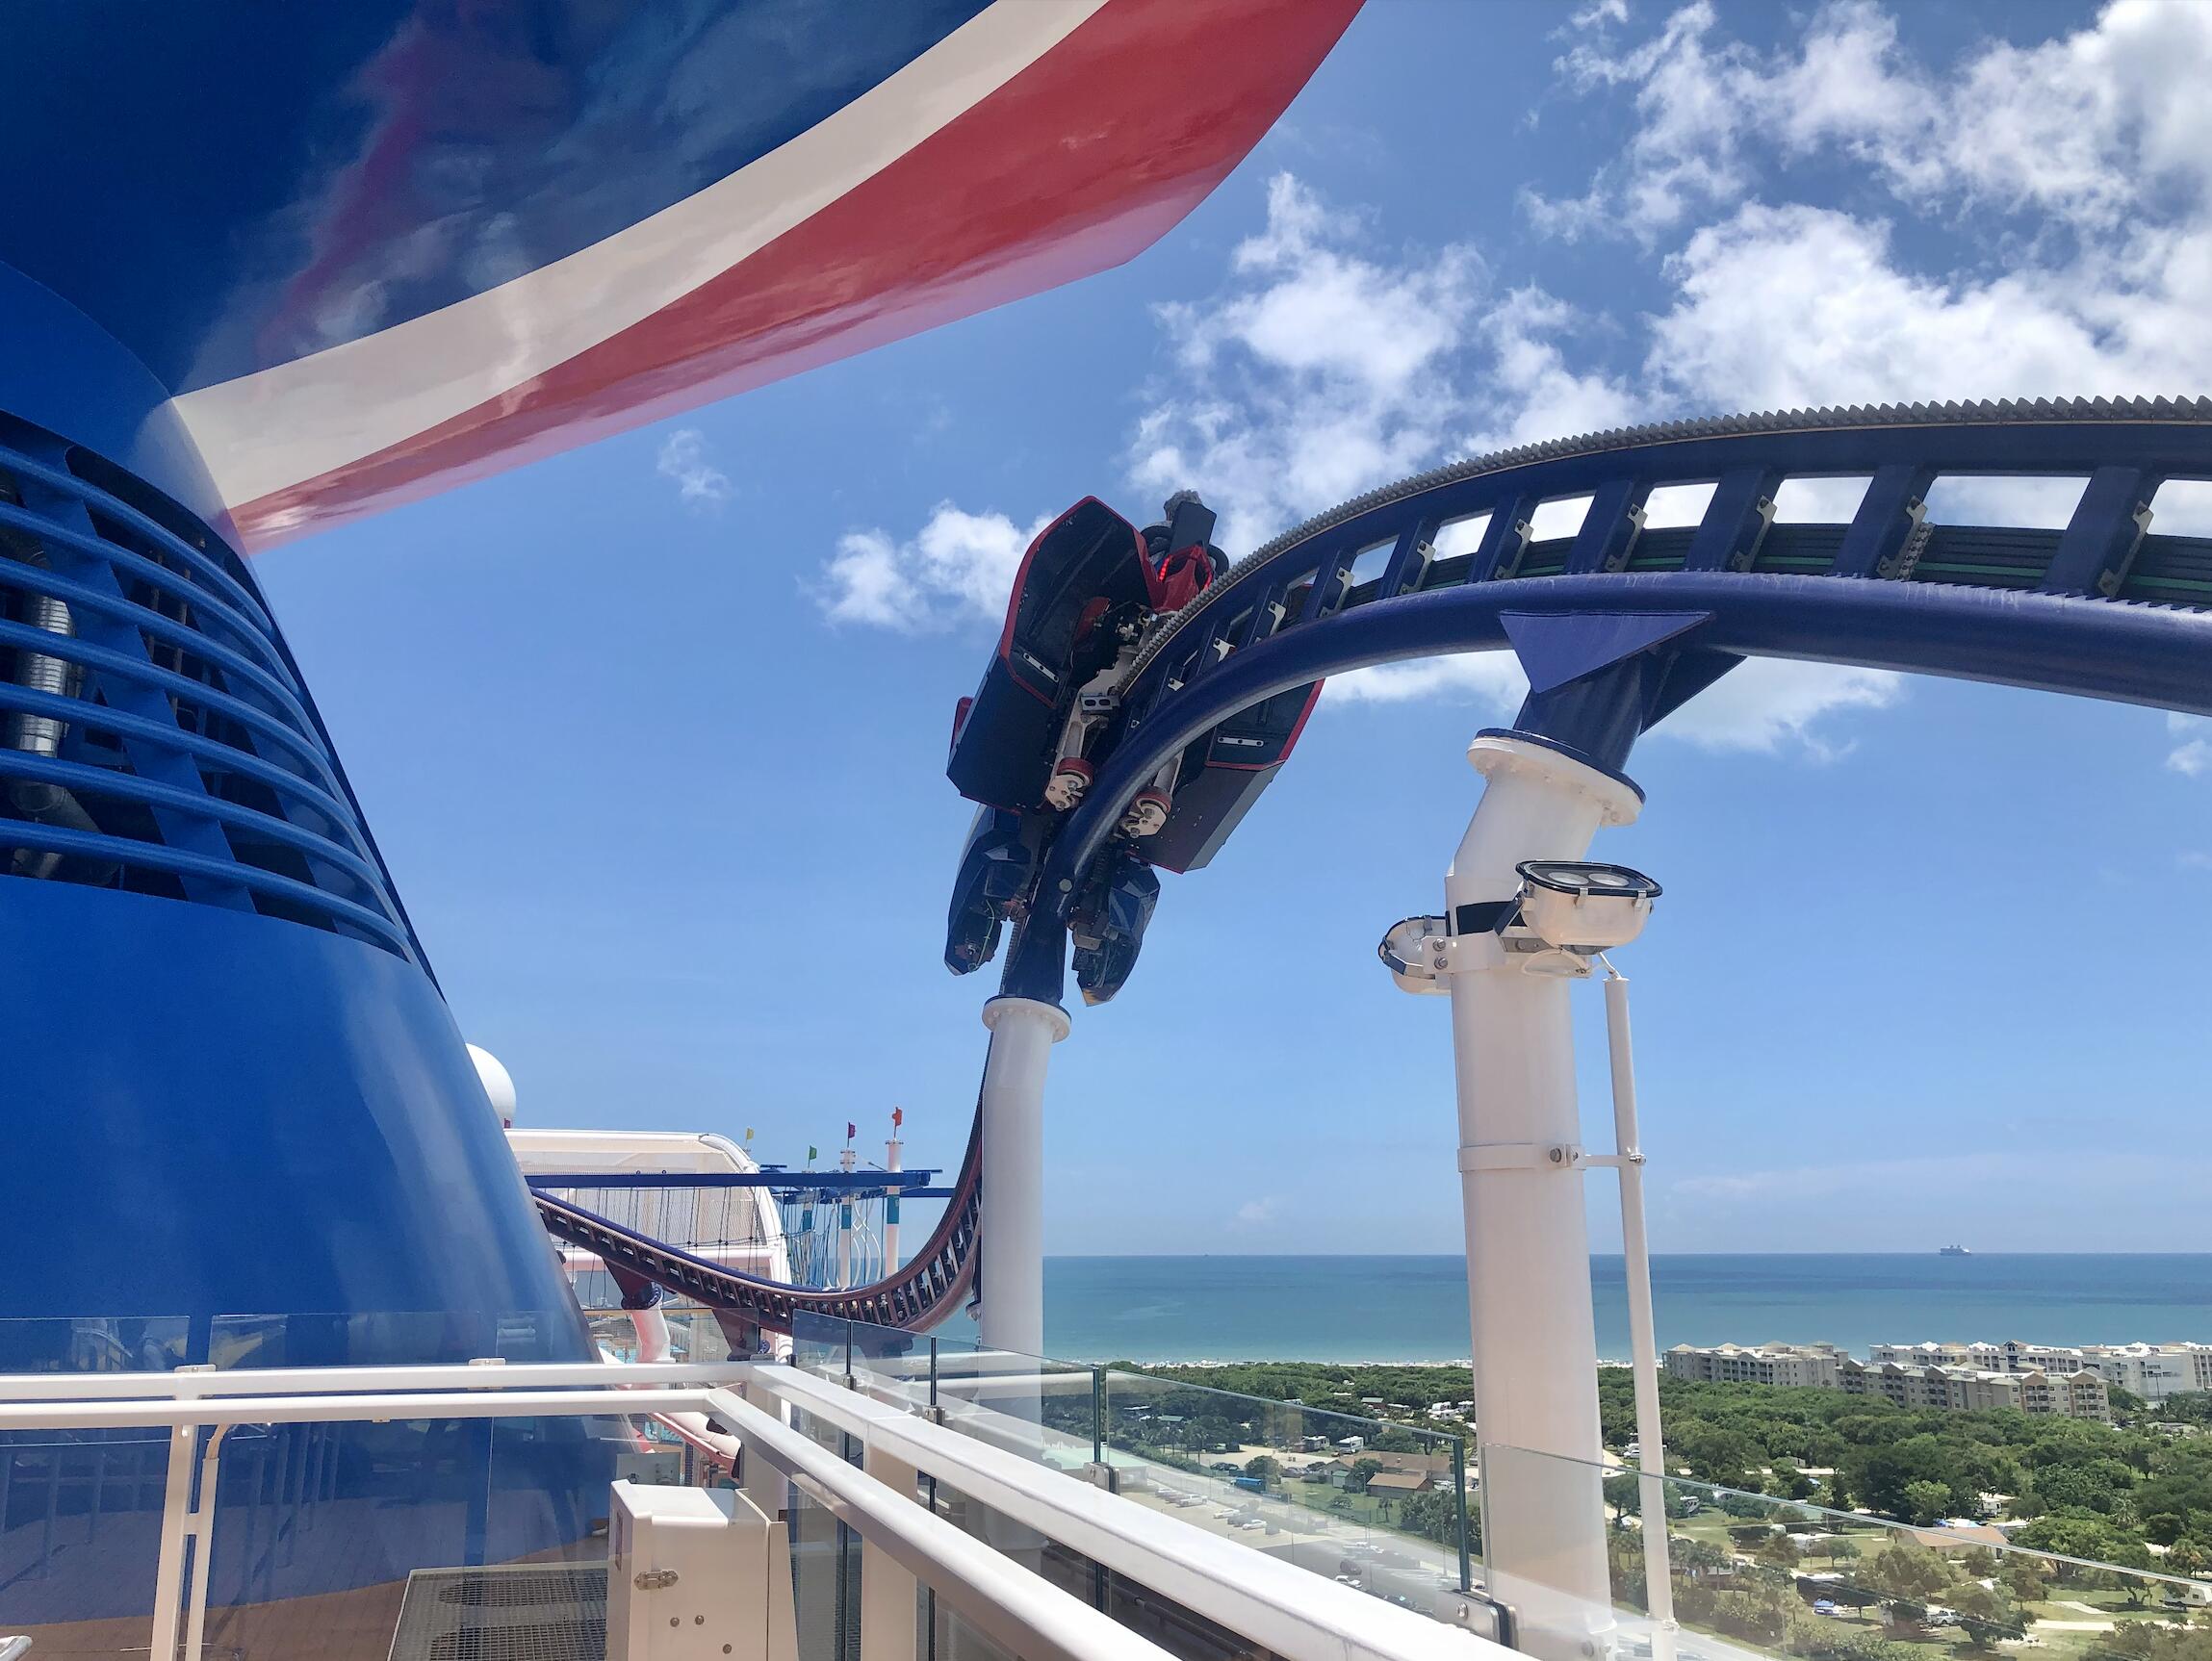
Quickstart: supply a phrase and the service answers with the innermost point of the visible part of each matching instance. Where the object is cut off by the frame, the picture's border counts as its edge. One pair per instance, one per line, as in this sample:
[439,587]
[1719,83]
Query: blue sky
[658,766]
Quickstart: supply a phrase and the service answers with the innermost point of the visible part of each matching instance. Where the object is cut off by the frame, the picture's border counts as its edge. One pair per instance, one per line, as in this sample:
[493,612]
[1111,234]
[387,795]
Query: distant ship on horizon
[1953,1251]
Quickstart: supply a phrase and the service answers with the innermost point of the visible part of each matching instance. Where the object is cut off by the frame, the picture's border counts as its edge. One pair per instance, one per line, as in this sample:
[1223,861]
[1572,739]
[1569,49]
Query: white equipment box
[696,1576]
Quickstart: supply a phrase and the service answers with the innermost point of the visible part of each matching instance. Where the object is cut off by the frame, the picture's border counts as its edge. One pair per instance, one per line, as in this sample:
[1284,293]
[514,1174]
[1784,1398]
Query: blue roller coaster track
[2101,608]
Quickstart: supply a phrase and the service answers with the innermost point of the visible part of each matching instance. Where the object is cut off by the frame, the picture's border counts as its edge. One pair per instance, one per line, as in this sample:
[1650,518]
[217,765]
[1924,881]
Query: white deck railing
[1273,1605]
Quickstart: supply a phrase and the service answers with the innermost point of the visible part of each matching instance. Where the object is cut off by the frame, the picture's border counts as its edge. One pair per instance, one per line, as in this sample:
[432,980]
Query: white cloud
[1326,371]
[2076,175]
[1768,704]
[1765,706]
[2192,757]
[1326,364]
[1256,1214]
[697,480]
[1791,305]
[958,569]
[2088,128]
[1489,680]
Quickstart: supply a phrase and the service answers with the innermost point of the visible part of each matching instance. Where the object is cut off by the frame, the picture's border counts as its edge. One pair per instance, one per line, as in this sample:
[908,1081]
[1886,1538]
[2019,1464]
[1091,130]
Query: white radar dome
[498,1083]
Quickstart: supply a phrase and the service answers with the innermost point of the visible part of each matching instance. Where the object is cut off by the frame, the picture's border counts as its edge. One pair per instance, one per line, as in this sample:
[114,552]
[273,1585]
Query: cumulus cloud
[959,568]
[1487,681]
[2088,128]
[1769,704]
[2074,174]
[1325,370]
[1784,305]
[2192,757]
[1766,705]
[1256,1214]
[683,459]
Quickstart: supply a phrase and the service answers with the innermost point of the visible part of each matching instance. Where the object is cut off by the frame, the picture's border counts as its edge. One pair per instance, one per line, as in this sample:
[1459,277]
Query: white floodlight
[1412,952]
[1576,906]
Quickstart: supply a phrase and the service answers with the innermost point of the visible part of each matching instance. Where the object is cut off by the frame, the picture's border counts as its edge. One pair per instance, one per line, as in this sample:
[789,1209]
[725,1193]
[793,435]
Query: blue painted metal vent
[154,734]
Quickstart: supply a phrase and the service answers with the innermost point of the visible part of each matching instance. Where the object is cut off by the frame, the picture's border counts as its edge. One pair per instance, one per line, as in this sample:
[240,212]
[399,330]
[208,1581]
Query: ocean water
[1158,1309]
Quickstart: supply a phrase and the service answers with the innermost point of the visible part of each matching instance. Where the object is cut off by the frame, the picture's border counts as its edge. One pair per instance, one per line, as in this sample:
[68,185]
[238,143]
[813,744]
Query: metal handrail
[1024,1613]
[477,1375]
[1289,1611]
[1019,1610]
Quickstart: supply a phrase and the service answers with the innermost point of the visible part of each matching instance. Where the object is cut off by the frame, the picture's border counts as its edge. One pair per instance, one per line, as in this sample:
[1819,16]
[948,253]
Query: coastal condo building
[1807,1366]
[1914,1375]
[2153,1371]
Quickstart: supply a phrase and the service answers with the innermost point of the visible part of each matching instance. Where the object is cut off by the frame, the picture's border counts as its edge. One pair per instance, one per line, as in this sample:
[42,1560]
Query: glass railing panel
[98,1343]
[382,1337]
[1387,1508]
[893,1366]
[1380,1506]
[825,1559]
[80,1515]
[345,1542]
[1571,1548]
[80,1510]
[1046,1411]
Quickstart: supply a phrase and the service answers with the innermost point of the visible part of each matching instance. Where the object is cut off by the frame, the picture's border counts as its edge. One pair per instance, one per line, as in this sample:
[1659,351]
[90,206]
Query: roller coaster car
[1108,924]
[1087,588]
[1084,566]
[1222,774]
[993,888]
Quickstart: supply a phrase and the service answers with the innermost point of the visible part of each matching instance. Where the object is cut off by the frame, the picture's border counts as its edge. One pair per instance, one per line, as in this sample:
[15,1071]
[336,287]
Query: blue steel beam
[2070,637]
[2153,655]
[909,1181]
[2101,538]
[1610,528]
[1887,515]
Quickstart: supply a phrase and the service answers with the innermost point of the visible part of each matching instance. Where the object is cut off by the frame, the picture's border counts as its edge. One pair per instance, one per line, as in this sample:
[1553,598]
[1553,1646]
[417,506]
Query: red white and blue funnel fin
[370,258]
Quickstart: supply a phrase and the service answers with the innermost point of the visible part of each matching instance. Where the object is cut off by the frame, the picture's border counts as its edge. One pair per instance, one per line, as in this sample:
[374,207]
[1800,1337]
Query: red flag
[899,1117]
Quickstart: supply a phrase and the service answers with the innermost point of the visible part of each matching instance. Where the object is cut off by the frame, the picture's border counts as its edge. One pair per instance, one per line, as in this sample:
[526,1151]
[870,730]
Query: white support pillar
[1643,1327]
[170,1556]
[847,1161]
[893,1161]
[891,1596]
[1527,1249]
[1011,1245]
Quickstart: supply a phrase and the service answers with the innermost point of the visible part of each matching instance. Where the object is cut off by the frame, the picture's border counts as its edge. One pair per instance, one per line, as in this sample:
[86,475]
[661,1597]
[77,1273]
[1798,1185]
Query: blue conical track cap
[1556,648]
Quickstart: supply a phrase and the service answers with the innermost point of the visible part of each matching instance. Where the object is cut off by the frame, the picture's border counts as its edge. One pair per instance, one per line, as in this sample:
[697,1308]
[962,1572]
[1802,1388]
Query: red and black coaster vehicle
[1027,743]
[1088,587]
[1221,773]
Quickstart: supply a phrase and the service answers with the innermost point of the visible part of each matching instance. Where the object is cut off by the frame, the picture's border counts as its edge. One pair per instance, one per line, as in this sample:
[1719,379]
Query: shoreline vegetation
[2135,1496]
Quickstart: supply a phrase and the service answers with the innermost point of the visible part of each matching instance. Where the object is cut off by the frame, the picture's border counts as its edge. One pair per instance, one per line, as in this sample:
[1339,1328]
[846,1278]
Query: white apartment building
[2153,1371]
[2075,1395]
[1803,1364]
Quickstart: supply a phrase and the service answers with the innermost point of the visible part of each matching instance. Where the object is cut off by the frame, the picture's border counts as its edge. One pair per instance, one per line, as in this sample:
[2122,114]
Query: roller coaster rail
[2102,608]
[930,1286]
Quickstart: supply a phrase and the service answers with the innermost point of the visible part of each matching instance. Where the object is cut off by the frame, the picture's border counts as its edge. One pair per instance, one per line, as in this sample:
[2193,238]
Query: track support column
[1012,1244]
[1527,1251]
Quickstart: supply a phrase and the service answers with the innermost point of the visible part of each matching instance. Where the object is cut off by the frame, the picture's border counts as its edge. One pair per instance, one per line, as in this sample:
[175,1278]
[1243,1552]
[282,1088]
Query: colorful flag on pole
[899,1117]
[812,1151]
[851,1130]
